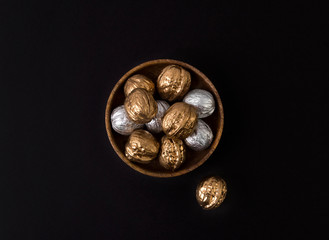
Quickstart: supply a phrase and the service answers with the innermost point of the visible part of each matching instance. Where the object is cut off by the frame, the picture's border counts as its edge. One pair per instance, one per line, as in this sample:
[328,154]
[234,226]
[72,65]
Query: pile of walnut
[180,122]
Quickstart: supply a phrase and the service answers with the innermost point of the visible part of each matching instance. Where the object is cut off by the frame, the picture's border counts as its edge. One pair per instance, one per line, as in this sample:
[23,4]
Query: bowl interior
[193,158]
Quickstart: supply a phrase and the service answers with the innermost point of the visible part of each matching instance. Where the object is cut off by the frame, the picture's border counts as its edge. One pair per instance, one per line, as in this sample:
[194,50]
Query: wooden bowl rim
[109,128]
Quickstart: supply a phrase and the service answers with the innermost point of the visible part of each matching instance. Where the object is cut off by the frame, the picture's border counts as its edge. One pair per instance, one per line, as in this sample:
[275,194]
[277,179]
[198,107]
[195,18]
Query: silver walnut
[155,125]
[202,100]
[121,123]
[201,138]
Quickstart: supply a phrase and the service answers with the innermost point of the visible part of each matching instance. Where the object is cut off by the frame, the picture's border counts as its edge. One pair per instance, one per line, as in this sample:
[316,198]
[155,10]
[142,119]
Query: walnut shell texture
[211,192]
[141,147]
[139,81]
[173,82]
[180,120]
[140,106]
[172,153]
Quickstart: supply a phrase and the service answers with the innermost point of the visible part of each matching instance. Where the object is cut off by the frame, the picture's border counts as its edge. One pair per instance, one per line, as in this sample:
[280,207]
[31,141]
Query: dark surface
[59,176]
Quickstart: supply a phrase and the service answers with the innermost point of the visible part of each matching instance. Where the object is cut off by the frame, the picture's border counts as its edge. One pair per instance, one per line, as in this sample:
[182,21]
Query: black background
[59,176]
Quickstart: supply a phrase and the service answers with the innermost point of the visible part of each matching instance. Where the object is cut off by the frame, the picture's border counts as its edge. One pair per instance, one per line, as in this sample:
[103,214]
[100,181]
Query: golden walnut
[138,81]
[211,192]
[180,120]
[173,82]
[172,153]
[141,147]
[140,106]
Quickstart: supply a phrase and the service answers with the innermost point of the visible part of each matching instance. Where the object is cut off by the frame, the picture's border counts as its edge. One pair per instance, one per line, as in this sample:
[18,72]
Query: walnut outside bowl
[194,159]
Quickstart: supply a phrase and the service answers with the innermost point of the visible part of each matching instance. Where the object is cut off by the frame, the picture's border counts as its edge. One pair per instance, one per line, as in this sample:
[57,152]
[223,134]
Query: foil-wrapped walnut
[141,147]
[138,81]
[121,123]
[155,125]
[202,100]
[140,106]
[173,82]
[180,120]
[172,153]
[211,192]
[201,138]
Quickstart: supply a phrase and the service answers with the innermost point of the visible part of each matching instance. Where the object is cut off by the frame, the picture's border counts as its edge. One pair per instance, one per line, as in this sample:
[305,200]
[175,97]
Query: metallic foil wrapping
[211,192]
[155,125]
[180,120]
[201,138]
[121,123]
[172,153]
[173,82]
[139,81]
[140,106]
[141,147]
[202,100]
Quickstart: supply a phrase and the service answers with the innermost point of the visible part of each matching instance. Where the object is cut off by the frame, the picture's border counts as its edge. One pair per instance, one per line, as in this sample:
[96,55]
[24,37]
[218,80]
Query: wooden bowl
[194,159]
